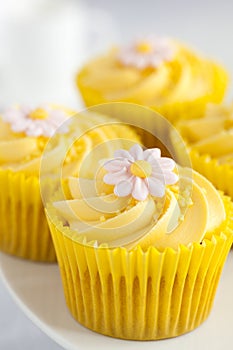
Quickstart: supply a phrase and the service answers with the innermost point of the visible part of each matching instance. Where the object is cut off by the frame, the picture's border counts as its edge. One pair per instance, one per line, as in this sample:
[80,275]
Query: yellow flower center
[38,113]
[144,47]
[141,168]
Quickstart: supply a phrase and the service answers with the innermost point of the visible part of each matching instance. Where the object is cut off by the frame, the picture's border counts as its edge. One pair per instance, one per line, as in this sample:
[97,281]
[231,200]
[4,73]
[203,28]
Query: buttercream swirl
[211,135]
[186,76]
[20,152]
[187,212]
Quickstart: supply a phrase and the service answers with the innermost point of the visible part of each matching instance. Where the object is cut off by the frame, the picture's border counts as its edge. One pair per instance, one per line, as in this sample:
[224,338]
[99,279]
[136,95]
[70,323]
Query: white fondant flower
[42,121]
[148,52]
[140,173]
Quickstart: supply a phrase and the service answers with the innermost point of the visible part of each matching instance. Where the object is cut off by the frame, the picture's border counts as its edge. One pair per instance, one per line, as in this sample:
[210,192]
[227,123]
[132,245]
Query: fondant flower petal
[136,152]
[151,154]
[165,177]
[156,187]
[140,189]
[170,178]
[123,188]
[113,165]
[158,175]
[115,178]
[12,115]
[34,130]
[49,130]
[163,163]
[122,153]
[20,125]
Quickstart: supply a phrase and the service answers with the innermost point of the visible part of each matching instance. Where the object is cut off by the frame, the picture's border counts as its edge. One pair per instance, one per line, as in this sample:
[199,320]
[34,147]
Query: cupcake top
[140,198]
[211,135]
[152,71]
[25,132]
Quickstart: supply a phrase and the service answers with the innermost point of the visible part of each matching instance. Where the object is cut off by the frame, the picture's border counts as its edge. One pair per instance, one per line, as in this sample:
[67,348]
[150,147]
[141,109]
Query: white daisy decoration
[149,52]
[140,173]
[41,121]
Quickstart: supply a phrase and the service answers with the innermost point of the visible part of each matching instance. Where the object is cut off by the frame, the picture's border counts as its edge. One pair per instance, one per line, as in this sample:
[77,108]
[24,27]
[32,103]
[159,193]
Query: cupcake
[141,246]
[157,72]
[210,142]
[24,134]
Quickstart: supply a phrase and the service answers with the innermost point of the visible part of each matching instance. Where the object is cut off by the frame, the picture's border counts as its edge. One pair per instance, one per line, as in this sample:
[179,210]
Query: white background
[27,77]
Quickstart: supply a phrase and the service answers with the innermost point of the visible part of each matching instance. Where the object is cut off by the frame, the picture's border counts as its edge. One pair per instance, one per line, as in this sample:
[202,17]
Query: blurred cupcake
[210,142]
[157,72]
[141,247]
[24,134]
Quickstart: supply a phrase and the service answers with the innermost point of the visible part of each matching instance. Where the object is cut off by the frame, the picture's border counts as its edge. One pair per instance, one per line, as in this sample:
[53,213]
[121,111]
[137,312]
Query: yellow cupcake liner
[141,295]
[24,231]
[174,111]
[221,175]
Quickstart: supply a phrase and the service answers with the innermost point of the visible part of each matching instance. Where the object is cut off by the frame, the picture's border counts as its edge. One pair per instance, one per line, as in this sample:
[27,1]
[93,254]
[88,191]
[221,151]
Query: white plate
[38,291]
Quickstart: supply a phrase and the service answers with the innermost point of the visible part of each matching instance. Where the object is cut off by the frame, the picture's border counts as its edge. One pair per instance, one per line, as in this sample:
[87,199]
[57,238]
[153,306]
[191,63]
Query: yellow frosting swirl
[19,152]
[212,134]
[186,77]
[95,214]
[98,136]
